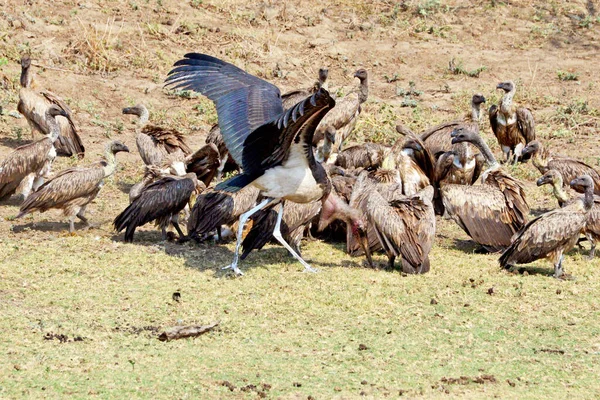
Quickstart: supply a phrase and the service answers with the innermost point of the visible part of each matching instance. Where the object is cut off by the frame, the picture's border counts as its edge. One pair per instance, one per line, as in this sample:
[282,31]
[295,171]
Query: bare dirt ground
[103,55]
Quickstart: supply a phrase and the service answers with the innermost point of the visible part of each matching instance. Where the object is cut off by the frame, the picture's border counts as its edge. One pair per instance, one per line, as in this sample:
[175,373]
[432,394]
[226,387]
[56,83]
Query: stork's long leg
[243,218]
[277,235]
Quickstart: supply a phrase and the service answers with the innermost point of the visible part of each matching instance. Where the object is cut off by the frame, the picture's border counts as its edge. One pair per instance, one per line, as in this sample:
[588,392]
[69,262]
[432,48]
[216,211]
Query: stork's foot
[308,268]
[234,268]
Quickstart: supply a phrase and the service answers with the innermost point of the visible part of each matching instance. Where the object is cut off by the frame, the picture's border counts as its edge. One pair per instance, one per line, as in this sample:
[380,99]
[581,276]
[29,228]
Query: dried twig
[181,332]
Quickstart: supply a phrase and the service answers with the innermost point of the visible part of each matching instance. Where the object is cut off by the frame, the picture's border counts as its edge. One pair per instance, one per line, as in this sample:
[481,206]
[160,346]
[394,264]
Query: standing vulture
[160,201]
[157,144]
[405,228]
[490,213]
[272,145]
[569,168]
[552,233]
[33,105]
[513,126]
[345,114]
[72,189]
[592,224]
[28,165]
[294,97]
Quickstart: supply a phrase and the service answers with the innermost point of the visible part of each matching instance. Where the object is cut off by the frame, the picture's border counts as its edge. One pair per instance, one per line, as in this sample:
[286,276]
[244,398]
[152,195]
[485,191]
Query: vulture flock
[290,171]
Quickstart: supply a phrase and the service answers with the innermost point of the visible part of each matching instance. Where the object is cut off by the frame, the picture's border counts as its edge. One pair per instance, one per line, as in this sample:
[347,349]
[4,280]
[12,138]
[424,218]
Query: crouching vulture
[272,145]
[553,233]
[72,189]
[28,165]
[160,201]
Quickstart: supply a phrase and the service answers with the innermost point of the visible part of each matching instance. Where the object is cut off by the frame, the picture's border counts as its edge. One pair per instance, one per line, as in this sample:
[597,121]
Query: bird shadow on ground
[43,226]
[533,270]
[15,201]
[124,187]
[13,143]
[470,247]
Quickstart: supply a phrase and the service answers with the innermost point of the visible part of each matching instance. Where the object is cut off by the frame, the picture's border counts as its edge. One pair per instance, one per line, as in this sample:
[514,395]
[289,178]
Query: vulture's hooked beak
[542,181]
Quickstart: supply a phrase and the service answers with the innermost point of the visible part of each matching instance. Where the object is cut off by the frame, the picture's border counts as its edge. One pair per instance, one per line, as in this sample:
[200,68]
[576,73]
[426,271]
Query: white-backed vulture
[592,224]
[344,115]
[552,233]
[405,228]
[204,163]
[160,201]
[513,126]
[33,105]
[569,168]
[467,163]
[72,189]
[368,156]
[293,97]
[28,165]
[490,213]
[157,144]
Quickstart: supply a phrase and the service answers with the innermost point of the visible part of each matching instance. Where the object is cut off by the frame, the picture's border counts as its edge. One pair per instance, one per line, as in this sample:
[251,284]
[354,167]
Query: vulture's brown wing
[545,234]
[482,212]
[170,139]
[571,168]
[67,185]
[24,160]
[526,123]
[514,195]
[69,142]
[204,163]
[343,114]
[493,114]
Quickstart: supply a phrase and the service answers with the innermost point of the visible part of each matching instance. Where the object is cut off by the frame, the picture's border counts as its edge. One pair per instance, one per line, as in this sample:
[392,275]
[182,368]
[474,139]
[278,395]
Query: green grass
[341,332]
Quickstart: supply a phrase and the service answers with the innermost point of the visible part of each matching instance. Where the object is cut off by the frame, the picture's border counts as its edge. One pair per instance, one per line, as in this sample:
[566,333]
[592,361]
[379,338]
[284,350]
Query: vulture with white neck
[512,125]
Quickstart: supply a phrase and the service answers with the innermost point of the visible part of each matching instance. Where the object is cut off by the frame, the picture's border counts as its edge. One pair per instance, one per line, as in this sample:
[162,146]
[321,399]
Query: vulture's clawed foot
[89,225]
[183,239]
[564,277]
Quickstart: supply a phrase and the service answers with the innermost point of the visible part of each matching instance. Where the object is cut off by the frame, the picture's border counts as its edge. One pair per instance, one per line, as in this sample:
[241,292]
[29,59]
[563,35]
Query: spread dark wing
[526,123]
[268,145]
[244,102]
[493,114]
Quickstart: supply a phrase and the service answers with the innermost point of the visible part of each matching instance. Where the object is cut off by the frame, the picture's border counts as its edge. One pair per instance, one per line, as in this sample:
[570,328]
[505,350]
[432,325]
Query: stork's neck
[363,90]
[507,99]
[26,77]
[111,161]
[144,116]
